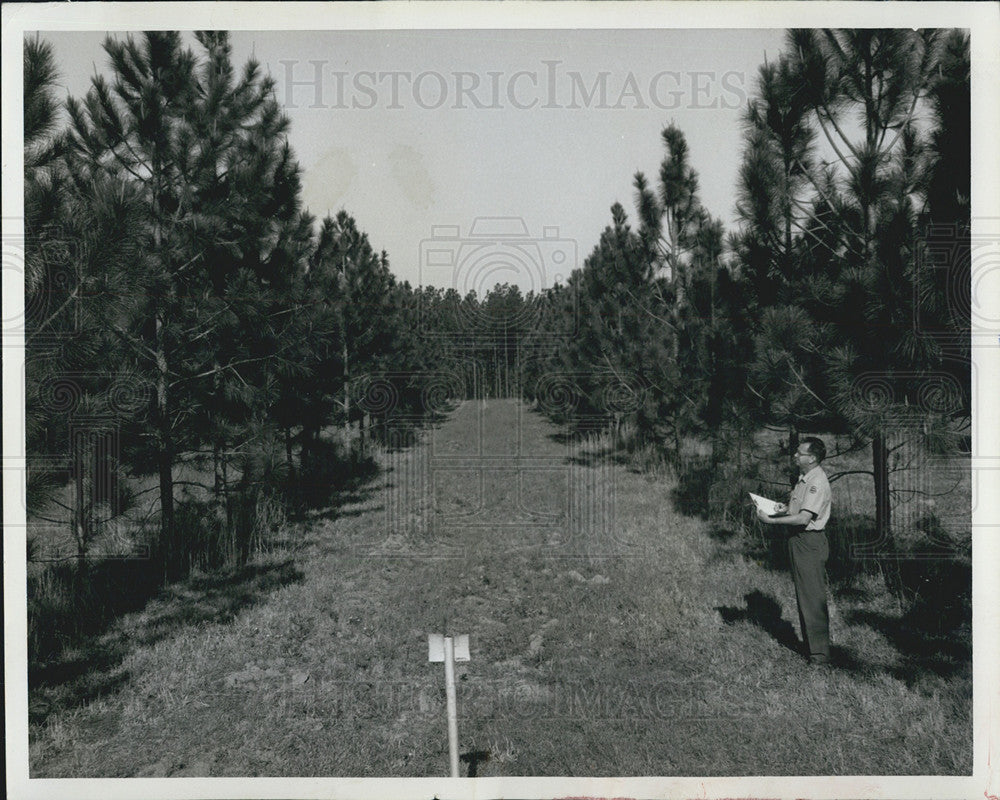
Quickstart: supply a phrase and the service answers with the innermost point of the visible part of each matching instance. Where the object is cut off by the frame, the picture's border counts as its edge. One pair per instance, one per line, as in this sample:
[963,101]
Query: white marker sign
[449,650]
[435,647]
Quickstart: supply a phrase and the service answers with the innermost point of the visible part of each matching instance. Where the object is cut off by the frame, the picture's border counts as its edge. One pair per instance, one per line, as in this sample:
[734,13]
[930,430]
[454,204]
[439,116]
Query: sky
[419,133]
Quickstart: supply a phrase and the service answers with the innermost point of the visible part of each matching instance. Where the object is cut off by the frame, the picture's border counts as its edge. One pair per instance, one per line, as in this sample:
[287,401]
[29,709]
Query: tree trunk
[880,469]
[347,399]
[518,375]
[219,483]
[167,544]
[165,449]
[714,454]
[164,456]
[79,446]
[885,545]
[793,446]
[288,451]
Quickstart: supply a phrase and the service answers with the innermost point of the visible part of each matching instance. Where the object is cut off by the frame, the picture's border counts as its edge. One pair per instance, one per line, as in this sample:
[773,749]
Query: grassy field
[610,635]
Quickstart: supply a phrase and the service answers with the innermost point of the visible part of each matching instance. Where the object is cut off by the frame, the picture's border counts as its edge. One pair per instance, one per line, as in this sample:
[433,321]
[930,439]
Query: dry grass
[648,646]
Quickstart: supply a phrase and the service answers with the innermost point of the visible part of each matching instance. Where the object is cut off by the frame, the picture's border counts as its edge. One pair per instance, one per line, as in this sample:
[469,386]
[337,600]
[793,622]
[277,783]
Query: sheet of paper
[769,507]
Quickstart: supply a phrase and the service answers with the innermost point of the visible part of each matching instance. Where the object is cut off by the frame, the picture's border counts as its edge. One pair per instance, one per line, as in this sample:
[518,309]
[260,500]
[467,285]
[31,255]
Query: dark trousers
[808,551]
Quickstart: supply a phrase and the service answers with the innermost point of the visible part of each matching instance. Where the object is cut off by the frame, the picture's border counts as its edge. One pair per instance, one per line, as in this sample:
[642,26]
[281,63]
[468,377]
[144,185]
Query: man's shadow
[765,612]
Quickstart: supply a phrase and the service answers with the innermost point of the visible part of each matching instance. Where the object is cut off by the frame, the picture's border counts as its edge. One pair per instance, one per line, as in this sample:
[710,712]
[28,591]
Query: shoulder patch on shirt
[812,490]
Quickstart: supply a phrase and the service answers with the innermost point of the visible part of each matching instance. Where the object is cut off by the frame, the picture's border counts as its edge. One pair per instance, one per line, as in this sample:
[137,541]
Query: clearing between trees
[610,635]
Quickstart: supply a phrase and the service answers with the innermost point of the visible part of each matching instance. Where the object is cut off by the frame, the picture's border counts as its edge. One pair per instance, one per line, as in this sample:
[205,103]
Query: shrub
[853,550]
[939,591]
[72,599]
[328,469]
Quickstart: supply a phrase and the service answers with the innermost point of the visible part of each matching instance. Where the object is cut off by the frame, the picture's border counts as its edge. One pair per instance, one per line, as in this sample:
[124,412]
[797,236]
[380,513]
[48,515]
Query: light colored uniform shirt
[812,493]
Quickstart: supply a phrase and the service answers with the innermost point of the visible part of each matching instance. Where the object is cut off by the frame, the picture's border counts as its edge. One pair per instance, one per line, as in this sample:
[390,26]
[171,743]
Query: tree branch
[837,475]
[129,340]
[57,312]
[791,368]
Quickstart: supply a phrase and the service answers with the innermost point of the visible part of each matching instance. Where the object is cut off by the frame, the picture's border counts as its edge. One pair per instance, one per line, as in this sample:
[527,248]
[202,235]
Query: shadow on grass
[336,511]
[599,456]
[76,649]
[691,495]
[330,477]
[213,598]
[912,670]
[396,434]
[922,652]
[474,758]
[574,432]
[723,533]
[852,594]
[768,549]
[86,665]
[765,612]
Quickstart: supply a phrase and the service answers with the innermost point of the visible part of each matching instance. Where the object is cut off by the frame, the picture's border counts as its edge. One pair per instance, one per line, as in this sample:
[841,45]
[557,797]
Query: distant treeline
[182,306]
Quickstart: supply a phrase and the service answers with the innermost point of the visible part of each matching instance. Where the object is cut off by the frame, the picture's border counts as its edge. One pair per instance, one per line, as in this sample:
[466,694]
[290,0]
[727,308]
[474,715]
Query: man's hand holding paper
[767,507]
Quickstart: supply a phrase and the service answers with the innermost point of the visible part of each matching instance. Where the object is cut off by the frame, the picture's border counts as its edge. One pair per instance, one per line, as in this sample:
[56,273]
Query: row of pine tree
[182,307]
[841,302]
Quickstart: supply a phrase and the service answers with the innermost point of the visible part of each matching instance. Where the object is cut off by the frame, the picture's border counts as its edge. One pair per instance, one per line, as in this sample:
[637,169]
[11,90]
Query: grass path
[647,647]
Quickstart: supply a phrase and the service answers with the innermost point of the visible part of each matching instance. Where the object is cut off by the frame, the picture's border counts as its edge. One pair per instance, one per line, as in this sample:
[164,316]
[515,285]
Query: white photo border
[983,19]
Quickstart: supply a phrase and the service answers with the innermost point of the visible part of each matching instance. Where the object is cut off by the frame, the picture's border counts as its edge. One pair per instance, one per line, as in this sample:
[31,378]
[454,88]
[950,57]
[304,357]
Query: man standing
[807,514]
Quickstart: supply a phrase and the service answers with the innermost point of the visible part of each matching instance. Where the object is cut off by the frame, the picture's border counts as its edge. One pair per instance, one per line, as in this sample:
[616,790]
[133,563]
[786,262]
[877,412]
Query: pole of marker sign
[449,650]
[449,687]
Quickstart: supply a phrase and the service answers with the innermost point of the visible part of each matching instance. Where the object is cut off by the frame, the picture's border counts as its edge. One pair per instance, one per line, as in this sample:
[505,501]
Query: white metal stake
[449,686]
[449,650]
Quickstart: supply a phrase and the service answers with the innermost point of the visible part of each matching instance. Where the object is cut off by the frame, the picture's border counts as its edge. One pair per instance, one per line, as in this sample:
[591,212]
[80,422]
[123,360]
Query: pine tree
[82,235]
[51,287]
[622,343]
[248,183]
[671,221]
[773,206]
[668,219]
[204,154]
[715,339]
[353,284]
[879,77]
[944,220]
